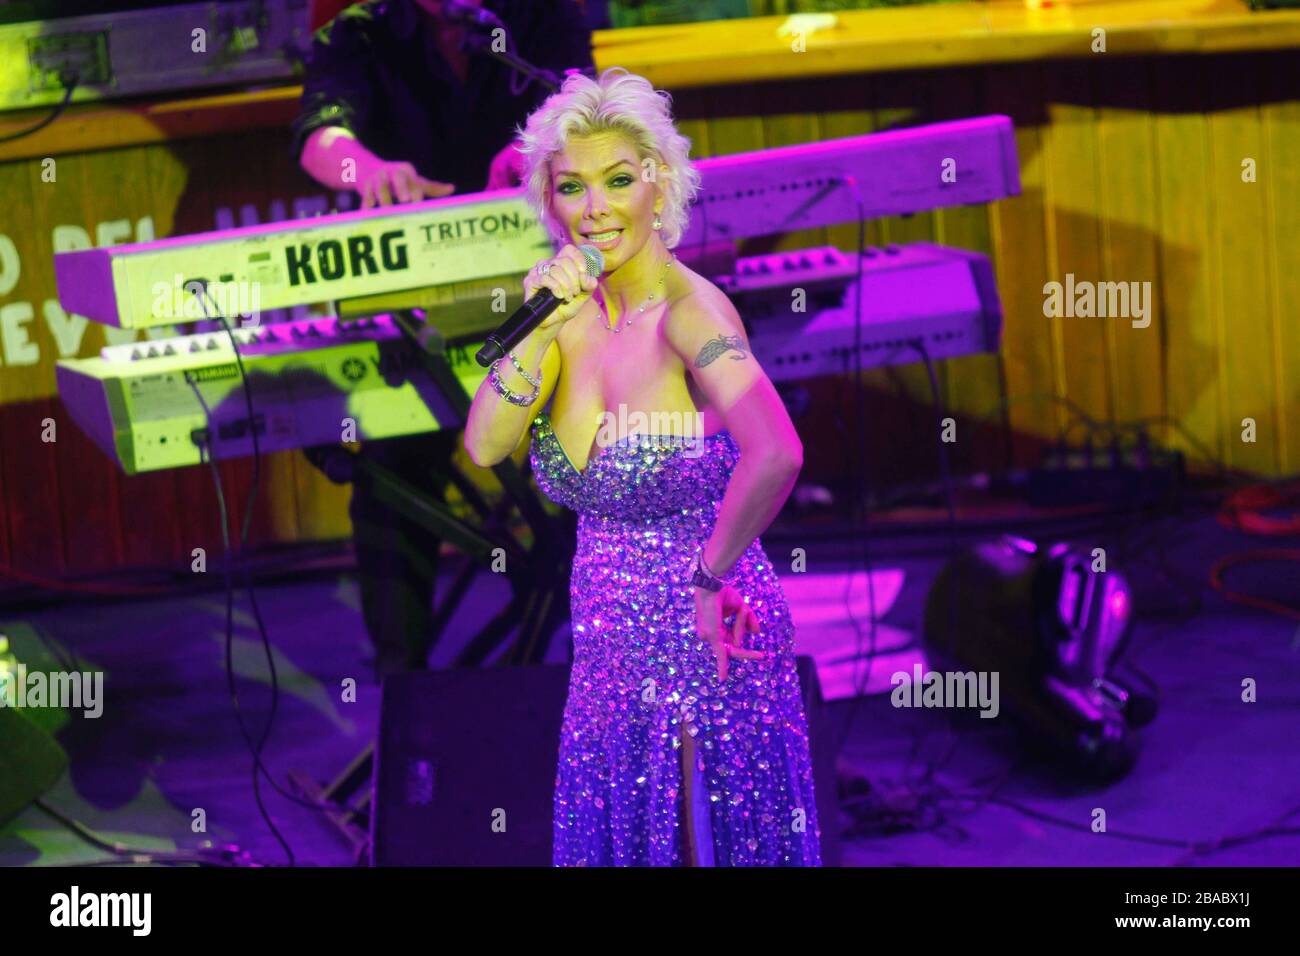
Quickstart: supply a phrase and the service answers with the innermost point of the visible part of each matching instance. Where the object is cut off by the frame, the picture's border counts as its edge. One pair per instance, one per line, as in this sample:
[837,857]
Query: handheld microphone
[532,314]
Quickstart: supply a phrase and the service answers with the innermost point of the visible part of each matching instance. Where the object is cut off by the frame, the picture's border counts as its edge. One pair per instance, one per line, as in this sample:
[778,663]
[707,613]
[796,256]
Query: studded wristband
[702,577]
[514,398]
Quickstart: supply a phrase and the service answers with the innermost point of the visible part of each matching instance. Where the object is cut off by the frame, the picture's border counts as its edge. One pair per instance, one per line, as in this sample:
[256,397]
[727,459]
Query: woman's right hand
[566,276]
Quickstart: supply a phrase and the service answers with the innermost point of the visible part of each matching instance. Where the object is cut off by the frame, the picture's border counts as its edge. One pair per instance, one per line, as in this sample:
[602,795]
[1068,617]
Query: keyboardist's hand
[384,183]
[507,168]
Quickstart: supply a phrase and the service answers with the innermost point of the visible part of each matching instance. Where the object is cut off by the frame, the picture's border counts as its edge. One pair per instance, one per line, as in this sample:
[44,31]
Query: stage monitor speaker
[465,769]
[31,761]
[464,773]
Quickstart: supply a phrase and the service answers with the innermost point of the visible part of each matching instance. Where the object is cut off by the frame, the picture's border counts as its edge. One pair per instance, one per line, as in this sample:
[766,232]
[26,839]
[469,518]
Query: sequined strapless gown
[641,678]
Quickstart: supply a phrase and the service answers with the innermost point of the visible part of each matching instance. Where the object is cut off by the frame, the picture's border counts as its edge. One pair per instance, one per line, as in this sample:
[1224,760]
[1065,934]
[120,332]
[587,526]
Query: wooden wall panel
[972,384]
[1280,178]
[1029,360]
[1128,204]
[904,99]
[1188,293]
[153,511]
[1242,271]
[1130,170]
[31,476]
[108,197]
[1073,233]
[5,503]
[32,483]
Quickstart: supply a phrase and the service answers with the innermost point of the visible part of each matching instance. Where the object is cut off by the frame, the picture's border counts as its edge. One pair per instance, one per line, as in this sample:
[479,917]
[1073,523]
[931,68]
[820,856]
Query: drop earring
[657,224]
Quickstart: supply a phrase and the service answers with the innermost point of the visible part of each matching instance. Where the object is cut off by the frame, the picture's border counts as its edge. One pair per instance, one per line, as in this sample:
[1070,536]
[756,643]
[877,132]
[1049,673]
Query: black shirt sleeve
[338,85]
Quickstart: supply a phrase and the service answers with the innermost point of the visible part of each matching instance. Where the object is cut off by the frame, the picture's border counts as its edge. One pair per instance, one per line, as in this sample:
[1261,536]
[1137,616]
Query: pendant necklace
[604,316]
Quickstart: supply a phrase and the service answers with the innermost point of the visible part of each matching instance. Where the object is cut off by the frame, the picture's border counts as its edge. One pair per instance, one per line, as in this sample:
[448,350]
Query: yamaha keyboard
[165,403]
[345,256]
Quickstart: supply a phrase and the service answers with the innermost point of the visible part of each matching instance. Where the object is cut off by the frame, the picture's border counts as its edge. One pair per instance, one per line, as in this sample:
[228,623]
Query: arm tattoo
[720,346]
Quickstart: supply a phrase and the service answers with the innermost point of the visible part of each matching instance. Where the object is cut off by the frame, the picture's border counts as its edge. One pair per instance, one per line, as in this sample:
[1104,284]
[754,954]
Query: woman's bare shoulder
[695,298]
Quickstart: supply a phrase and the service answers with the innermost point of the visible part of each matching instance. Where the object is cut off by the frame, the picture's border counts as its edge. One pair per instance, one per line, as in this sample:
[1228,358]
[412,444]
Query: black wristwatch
[702,578]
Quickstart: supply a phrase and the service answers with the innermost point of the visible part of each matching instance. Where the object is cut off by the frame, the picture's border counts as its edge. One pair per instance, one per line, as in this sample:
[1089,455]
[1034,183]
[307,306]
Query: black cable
[945,470]
[226,857]
[70,79]
[255,749]
[859,507]
[259,768]
[1204,848]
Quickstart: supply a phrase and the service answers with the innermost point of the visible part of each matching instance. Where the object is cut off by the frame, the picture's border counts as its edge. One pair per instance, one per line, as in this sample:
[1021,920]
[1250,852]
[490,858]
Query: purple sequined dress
[640,675]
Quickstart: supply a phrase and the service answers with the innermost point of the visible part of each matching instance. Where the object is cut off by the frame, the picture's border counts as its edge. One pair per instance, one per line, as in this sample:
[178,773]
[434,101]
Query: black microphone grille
[595,260]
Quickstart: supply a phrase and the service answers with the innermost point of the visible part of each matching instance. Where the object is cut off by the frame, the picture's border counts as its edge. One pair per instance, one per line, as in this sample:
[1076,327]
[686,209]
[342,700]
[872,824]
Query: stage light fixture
[1053,622]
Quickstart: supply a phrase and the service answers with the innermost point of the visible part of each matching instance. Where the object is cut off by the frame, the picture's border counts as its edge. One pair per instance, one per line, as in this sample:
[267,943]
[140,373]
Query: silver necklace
[604,316]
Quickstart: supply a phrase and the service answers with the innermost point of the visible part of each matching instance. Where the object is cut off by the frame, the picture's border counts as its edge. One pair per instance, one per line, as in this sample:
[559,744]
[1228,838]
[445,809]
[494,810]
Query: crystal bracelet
[523,373]
[514,398]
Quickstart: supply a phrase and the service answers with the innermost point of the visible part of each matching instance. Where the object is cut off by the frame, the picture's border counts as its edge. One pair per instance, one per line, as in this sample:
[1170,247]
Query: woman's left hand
[710,608]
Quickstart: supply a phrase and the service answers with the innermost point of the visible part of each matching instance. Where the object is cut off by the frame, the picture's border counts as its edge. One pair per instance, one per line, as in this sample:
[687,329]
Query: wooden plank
[904,100]
[1242,265]
[1280,177]
[12,181]
[1074,235]
[1128,213]
[885,420]
[105,195]
[95,126]
[30,462]
[1188,288]
[1146,185]
[852,114]
[972,383]
[1017,228]
[787,121]
[938,36]
[151,503]
[5,501]
[322,505]
[713,53]
[32,477]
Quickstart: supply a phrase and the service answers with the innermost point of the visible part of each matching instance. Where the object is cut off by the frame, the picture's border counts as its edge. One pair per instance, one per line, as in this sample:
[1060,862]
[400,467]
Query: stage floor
[1211,766]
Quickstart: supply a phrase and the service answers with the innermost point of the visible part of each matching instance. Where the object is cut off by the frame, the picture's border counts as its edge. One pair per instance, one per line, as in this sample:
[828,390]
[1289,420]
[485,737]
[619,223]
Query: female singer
[684,739]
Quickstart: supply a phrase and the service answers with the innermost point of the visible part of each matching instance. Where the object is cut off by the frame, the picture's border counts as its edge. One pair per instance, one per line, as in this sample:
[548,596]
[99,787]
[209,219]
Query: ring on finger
[545,268]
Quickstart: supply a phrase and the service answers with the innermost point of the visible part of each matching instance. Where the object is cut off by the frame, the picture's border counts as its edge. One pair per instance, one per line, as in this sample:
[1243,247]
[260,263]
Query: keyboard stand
[539,576]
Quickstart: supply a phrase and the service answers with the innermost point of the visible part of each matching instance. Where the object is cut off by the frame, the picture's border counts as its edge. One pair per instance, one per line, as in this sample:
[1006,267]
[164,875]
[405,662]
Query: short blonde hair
[617,102]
